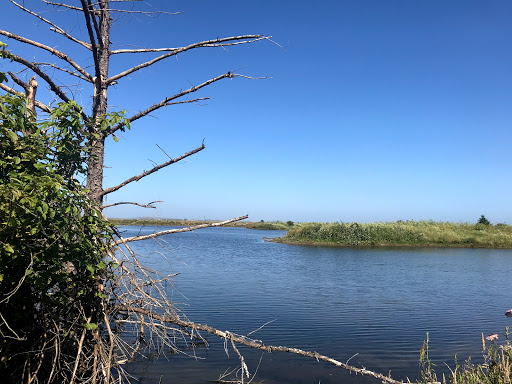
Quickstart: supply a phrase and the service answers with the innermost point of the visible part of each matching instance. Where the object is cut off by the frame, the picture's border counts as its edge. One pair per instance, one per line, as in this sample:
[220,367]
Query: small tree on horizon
[483,220]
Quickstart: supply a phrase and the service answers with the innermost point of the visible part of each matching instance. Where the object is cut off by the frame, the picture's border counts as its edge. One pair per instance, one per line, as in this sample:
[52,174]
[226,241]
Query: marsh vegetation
[403,233]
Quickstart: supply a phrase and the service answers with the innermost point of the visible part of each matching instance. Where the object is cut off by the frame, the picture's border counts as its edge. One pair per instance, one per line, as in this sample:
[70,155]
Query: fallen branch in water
[254,343]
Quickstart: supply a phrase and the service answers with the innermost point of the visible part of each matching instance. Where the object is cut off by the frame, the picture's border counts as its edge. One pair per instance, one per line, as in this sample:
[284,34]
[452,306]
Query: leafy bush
[52,242]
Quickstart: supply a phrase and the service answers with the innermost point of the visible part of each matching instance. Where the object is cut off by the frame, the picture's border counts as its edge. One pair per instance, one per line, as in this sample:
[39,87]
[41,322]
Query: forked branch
[53,51]
[179,230]
[167,101]
[54,87]
[155,107]
[242,39]
[72,73]
[62,5]
[40,105]
[110,9]
[146,50]
[55,28]
[152,170]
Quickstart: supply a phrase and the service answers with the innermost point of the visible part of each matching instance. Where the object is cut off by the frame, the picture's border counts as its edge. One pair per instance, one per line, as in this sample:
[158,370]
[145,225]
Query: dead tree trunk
[98,27]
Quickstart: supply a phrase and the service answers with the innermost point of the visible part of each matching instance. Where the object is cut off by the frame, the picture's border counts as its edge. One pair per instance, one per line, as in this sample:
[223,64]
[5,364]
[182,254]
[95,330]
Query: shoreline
[280,240]
[270,225]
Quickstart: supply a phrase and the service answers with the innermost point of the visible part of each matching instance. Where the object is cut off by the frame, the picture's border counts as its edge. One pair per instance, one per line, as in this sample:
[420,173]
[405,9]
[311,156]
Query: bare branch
[91,36]
[152,170]
[246,38]
[93,13]
[154,107]
[55,28]
[251,77]
[145,12]
[18,81]
[110,9]
[30,95]
[62,5]
[257,344]
[120,1]
[40,105]
[179,230]
[187,101]
[72,73]
[144,50]
[53,51]
[54,87]
[166,101]
[10,90]
[148,205]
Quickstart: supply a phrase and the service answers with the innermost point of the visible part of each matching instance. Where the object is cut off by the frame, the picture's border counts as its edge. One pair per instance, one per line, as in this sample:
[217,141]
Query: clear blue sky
[376,110]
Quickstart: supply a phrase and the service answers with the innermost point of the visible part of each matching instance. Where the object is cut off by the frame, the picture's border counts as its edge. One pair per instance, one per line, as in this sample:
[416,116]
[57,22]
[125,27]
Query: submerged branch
[226,335]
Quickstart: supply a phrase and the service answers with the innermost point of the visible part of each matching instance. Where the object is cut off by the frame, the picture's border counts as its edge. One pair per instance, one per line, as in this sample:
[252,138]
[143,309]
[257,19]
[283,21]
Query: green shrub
[52,241]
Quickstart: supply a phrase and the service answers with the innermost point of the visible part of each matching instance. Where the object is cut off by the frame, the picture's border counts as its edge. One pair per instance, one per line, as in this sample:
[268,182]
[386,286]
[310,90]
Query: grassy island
[402,233]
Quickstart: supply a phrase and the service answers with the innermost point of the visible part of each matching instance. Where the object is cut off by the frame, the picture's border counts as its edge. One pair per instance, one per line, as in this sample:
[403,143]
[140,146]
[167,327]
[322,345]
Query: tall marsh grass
[429,233]
[496,368]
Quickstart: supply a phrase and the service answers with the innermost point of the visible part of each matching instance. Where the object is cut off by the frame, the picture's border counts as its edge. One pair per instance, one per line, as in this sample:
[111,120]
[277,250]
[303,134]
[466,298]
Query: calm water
[377,304]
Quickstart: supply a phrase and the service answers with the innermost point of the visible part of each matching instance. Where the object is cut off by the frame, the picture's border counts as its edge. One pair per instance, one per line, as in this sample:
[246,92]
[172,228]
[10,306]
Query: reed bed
[404,233]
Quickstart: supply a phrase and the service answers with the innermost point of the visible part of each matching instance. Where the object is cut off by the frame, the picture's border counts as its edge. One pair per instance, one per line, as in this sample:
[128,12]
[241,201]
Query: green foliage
[4,54]
[413,233]
[52,236]
[483,220]
[269,225]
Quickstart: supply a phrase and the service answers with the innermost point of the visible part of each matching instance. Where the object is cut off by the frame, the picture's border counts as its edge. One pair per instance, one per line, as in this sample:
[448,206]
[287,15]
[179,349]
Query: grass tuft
[496,368]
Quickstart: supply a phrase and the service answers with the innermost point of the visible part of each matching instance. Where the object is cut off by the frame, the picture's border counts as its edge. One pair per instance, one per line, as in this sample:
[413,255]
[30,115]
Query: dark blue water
[377,304]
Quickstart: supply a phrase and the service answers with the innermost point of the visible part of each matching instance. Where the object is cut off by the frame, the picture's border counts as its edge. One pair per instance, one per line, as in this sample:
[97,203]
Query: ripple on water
[376,303]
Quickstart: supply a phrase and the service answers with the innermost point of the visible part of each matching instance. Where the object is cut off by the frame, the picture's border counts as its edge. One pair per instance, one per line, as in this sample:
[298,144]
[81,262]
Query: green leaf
[12,136]
[91,326]
[91,269]
[45,207]
[116,139]
[8,248]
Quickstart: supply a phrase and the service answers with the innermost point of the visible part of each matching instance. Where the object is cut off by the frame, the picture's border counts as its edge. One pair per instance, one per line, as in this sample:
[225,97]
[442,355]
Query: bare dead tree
[137,301]
[98,18]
